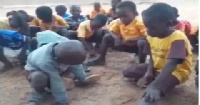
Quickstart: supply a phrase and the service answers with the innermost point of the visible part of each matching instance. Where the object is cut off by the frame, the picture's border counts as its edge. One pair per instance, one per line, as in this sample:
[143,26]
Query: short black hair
[159,11]
[44,13]
[62,8]
[129,5]
[21,22]
[9,13]
[175,11]
[23,12]
[100,18]
[97,3]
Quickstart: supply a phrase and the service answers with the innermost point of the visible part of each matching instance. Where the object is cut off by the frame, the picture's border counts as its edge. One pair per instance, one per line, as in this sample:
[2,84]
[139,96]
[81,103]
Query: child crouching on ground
[170,55]
[43,69]
[90,31]
[125,33]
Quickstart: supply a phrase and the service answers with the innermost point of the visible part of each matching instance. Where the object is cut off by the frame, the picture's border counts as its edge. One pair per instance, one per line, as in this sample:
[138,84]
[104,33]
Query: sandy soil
[112,89]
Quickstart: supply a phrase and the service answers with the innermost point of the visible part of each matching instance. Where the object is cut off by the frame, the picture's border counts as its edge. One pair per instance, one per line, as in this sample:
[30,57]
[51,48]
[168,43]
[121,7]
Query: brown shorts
[137,71]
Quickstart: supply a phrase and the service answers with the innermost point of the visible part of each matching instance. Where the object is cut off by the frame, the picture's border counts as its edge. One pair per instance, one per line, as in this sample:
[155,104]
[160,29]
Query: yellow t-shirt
[57,20]
[134,30]
[112,23]
[160,49]
[4,24]
[34,22]
[94,13]
[84,30]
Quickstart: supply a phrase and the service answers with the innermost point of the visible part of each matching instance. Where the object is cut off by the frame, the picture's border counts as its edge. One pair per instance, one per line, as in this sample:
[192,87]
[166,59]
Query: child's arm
[153,91]
[86,45]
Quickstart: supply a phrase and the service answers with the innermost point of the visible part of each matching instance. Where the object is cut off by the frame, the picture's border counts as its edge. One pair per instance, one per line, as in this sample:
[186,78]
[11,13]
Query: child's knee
[39,80]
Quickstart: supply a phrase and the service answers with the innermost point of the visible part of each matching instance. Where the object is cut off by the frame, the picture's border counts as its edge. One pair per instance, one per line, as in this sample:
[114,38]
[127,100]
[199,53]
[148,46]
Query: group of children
[59,43]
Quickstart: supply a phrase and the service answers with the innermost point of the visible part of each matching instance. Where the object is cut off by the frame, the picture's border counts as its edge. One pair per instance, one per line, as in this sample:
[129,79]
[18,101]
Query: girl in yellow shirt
[170,55]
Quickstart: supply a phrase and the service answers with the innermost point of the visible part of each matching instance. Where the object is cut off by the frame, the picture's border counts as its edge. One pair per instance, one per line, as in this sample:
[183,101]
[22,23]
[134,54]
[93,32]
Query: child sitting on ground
[170,55]
[97,10]
[90,31]
[76,17]
[48,21]
[14,41]
[125,33]
[43,69]
[61,11]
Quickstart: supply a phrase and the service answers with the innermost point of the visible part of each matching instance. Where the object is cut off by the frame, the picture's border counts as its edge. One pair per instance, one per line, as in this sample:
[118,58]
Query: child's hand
[145,80]
[152,94]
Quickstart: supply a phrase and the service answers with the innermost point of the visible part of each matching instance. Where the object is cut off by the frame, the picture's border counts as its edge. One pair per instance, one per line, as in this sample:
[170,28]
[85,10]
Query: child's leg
[142,56]
[197,74]
[72,35]
[38,81]
[136,71]
[7,64]
[107,41]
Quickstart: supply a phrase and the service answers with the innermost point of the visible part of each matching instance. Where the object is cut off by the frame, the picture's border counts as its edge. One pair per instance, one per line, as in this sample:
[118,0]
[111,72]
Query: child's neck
[168,33]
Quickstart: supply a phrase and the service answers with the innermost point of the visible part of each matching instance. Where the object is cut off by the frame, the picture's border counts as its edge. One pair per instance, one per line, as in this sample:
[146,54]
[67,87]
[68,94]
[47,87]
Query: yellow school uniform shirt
[134,30]
[160,49]
[35,21]
[94,13]
[4,24]
[84,30]
[112,23]
[57,20]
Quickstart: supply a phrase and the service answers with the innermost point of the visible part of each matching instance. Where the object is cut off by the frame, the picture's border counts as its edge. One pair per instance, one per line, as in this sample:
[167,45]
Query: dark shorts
[95,38]
[137,71]
[129,49]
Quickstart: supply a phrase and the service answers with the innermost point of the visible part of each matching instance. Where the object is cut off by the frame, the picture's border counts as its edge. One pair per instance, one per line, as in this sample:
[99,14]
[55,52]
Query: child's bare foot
[93,78]
[96,62]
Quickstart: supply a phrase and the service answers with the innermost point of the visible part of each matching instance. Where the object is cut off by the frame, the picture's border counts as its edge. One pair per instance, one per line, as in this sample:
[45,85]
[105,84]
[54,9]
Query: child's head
[17,20]
[75,10]
[97,6]
[114,3]
[98,22]
[61,10]
[176,15]
[44,13]
[28,17]
[126,11]
[158,19]
[70,55]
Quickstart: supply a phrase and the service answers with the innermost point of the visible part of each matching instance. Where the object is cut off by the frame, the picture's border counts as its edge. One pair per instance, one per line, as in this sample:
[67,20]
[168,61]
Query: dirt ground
[112,89]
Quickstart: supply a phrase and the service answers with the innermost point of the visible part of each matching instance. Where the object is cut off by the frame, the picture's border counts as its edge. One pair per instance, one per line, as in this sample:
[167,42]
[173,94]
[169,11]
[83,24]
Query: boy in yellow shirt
[90,31]
[48,21]
[97,10]
[170,55]
[125,33]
